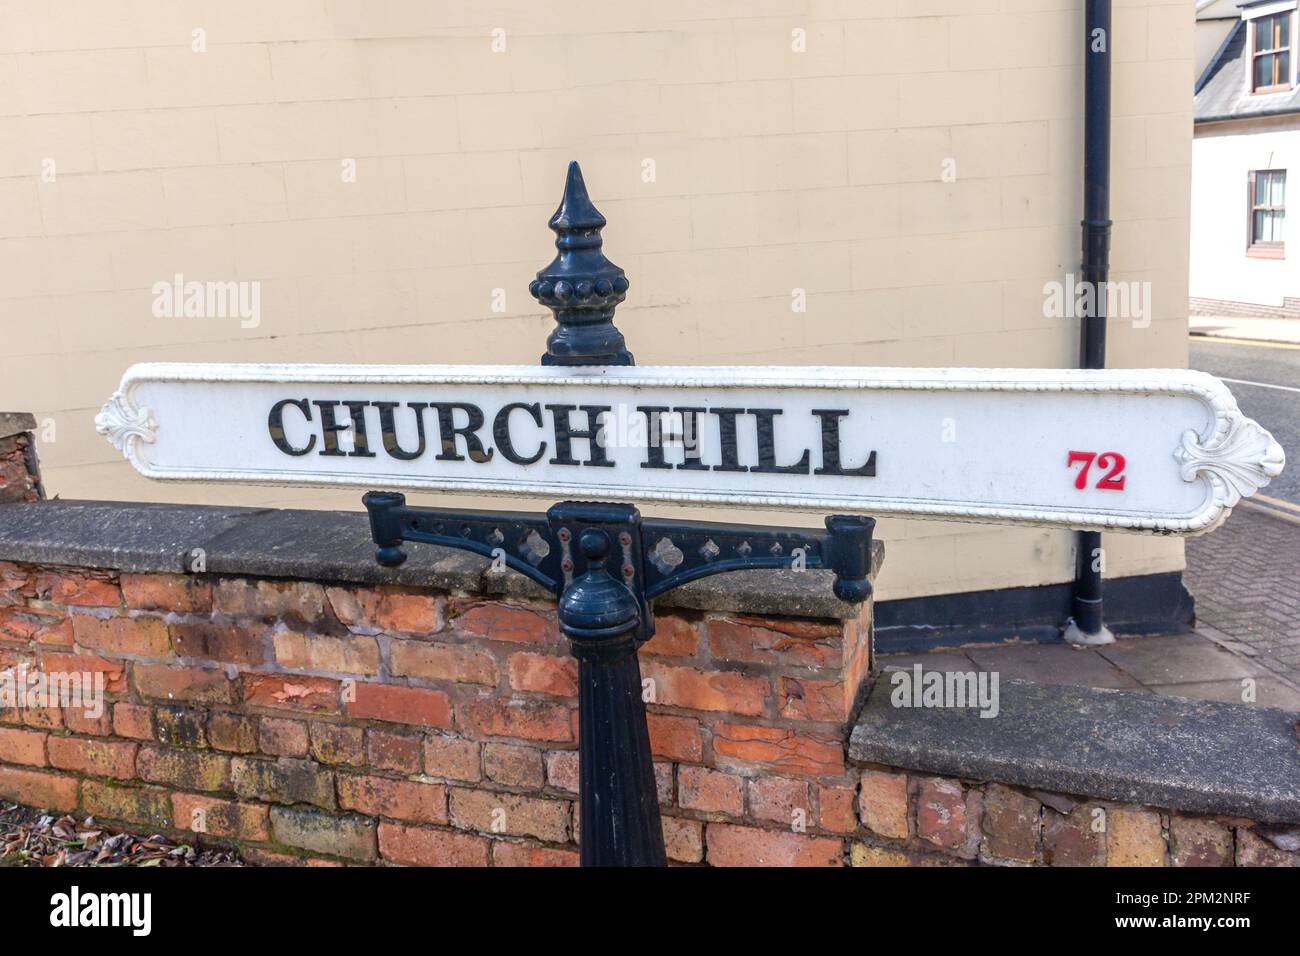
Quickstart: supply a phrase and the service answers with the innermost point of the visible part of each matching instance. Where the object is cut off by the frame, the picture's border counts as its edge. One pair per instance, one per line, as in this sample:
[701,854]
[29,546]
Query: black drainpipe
[1087,626]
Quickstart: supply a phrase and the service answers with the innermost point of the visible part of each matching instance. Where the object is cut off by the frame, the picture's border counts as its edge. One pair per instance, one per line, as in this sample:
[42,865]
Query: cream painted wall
[1224,156]
[1210,34]
[775,170]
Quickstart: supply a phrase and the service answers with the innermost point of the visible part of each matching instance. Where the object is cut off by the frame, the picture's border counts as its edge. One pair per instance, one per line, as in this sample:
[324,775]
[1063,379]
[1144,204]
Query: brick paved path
[1246,580]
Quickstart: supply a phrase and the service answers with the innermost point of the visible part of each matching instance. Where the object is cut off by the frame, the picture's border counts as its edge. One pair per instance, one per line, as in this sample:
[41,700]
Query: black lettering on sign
[594,433]
[501,433]
[764,422]
[692,459]
[831,464]
[659,434]
[447,432]
[361,443]
[727,439]
[330,427]
[654,426]
[389,430]
[275,425]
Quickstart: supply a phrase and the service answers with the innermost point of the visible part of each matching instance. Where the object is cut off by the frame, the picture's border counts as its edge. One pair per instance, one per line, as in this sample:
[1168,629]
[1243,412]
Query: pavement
[1247,329]
[1245,576]
[1180,665]
[1246,580]
[1265,379]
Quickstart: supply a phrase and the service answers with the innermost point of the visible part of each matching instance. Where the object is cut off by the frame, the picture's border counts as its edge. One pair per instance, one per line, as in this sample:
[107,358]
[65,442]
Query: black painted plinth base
[1139,604]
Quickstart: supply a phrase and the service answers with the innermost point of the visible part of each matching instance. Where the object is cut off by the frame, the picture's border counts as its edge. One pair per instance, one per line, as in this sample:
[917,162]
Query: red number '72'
[1113,480]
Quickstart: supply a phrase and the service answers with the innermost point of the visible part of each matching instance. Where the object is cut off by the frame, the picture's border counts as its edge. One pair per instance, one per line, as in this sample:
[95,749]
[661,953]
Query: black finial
[581,286]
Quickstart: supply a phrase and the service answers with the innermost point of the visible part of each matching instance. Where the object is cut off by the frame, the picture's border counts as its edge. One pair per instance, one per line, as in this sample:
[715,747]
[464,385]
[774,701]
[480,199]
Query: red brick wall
[18,478]
[305,722]
[301,720]
[923,820]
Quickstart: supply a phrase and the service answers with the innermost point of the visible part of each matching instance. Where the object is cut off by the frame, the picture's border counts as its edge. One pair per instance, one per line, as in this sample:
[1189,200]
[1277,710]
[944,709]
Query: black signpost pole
[1089,626]
[603,620]
[605,564]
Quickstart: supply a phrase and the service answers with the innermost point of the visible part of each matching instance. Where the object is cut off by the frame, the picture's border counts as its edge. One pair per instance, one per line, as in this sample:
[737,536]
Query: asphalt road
[1273,399]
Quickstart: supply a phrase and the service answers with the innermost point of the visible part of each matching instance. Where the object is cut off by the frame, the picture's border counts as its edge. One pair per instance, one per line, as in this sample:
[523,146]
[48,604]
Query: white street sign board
[1153,450]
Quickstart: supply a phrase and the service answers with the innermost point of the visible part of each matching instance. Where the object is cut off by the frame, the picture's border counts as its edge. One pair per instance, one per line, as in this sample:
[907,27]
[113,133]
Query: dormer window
[1271,56]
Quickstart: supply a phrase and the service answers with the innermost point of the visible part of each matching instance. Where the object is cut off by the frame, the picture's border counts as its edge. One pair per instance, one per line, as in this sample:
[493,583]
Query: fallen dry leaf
[28,838]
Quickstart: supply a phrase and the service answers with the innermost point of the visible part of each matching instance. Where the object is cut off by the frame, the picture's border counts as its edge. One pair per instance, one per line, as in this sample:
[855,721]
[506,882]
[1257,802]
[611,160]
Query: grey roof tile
[1223,93]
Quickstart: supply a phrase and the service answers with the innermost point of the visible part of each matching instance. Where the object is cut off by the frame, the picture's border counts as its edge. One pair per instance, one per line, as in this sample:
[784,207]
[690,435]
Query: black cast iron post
[603,618]
[605,564]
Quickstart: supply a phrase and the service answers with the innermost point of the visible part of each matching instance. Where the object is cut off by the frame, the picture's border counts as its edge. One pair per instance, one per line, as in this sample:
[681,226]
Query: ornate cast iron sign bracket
[605,564]
[647,557]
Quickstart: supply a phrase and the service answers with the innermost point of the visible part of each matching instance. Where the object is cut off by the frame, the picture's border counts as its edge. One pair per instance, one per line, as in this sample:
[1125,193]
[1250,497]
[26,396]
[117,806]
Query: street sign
[1163,451]
[1143,450]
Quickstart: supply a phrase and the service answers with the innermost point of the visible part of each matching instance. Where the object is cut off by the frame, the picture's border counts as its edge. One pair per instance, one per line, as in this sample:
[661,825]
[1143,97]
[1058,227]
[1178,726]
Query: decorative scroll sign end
[1238,459]
[123,424]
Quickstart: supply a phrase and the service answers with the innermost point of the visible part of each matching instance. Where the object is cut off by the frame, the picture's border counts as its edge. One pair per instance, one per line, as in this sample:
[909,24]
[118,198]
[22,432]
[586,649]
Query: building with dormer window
[1245,153]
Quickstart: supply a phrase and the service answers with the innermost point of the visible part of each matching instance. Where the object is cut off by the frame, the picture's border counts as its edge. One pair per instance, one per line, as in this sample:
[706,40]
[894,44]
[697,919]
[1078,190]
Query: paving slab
[1054,664]
[938,661]
[1245,577]
[1178,659]
[1269,692]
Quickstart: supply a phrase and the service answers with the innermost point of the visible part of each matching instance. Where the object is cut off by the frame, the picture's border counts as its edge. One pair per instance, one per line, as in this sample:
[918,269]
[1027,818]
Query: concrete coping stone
[15,423]
[336,546]
[1129,746]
